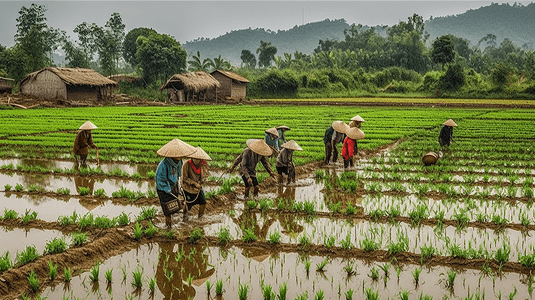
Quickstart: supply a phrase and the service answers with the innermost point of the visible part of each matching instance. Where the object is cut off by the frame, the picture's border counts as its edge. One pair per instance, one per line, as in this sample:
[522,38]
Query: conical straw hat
[358,118]
[88,126]
[200,154]
[291,145]
[259,147]
[273,131]
[176,149]
[355,133]
[450,123]
[340,126]
[283,127]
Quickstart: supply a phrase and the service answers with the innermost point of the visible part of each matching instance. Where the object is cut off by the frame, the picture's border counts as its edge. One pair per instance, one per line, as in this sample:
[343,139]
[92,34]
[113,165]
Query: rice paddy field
[388,228]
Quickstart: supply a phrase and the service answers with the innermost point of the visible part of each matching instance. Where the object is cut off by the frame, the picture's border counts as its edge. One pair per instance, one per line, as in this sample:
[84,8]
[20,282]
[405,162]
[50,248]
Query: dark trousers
[164,198]
[348,162]
[328,150]
[255,181]
[194,199]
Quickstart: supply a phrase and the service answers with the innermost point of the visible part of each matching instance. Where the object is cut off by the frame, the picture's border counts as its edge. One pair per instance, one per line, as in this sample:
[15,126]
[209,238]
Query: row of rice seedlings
[88,220]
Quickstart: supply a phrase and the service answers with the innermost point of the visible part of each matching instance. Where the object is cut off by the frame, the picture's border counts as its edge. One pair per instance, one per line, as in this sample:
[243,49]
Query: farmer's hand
[250,181]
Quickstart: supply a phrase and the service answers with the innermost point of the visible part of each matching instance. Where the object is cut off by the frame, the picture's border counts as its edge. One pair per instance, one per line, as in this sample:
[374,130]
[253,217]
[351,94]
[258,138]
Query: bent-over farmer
[272,139]
[356,121]
[256,151]
[446,133]
[168,175]
[83,142]
[194,174]
[350,147]
[281,130]
[285,164]
[333,136]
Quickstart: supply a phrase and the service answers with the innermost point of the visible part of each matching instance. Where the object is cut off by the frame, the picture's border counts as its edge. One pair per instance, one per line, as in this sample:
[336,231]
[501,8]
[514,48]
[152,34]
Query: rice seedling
[29,216]
[78,238]
[283,290]
[303,296]
[346,243]
[94,271]
[329,242]
[349,294]
[52,270]
[10,214]
[386,269]
[425,297]
[335,207]
[123,219]
[319,174]
[168,274]
[152,285]
[152,194]
[101,193]
[426,252]
[104,222]
[138,231]
[450,281]
[304,240]
[371,295]
[243,290]
[83,191]
[123,270]
[219,287]
[248,235]
[151,174]
[461,217]
[275,237]
[146,213]
[309,207]
[527,260]
[137,276]
[350,209]
[63,191]
[86,221]
[374,274]
[502,254]
[26,256]
[33,281]
[499,220]
[67,274]
[223,237]
[168,233]
[401,246]
[35,188]
[350,269]
[19,187]
[5,262]
[403,295]
[418,214]
[320,295]
[195,235]
[189,279]
[7,187]
[307,266]
[416,275]
[321,266]
[376,214]
[369,244]
[251,204]
[108,275]
[265,204]
[267,291]
[150,230]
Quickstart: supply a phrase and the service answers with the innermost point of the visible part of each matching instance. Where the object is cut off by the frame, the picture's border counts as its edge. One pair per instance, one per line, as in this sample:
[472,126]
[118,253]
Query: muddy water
[247,266]
[49,209]
[19,239]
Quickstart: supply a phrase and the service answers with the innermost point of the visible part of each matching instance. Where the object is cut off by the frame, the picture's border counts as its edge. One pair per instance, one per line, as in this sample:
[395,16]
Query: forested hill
[303,38]
[515,22]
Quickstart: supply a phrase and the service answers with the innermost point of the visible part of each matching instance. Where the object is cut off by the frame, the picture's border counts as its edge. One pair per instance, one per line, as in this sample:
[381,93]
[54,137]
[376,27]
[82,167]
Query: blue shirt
[167,174]
[272,142]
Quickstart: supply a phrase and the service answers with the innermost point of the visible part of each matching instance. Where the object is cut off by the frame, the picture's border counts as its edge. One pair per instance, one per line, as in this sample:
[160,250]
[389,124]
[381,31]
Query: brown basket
[173,206]
[430,158]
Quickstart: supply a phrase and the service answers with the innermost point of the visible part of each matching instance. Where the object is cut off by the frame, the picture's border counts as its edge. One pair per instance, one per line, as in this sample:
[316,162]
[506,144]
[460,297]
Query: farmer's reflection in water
[288,222]
[84,181]
[177,263]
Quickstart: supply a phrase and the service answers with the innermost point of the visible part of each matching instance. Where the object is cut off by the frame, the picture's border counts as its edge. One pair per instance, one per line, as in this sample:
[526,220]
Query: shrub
[317,80]
[431,80]
[454,78]
[275,82]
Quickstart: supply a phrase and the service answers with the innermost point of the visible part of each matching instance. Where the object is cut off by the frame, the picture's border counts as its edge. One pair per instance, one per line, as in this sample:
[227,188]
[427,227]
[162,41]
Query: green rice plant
[67,274]
[137,275]
[374,274]
[168,274]
[26,256]
[146,213]
[8,167]
[481,217]
[349,294]
[168,233]
[283,290]
[369,244]
[108,275]
[219,287]
[346,243]
[151,174]
[104,222]
[418,214]
[152,194]
[123,219]
[401,246]
[195,235]
[527,192]
[329,242]
[350,209]
[425,297]
[267,292]
[29,216]
[450,281]
[94,271]
[309,207]
[10,214]
[85,221]
[101,193]
[350,269]
[502,254]
[68,220]
[320,295]
[138,231]
[248,235]
[123,270]
[265,204]
[78,238]
[5,262]
[252,204]
[152,285]
[403,295]
[35,188]
[527,260]
[499,220]
[321,266]
[52,270]
[376,214]
[386,269]
[335,207]
[275,237]
[416,275]
[304,240]
[223,236]
[371,295]
[461,217]
[83,191]
[307,266]
[303,296]
[56,245]
[33,281]
[136,176]
[19,187]
[393,212]
[63,191]
[7,187]
[319,174]
[243,290]
[150,230]
[427,252]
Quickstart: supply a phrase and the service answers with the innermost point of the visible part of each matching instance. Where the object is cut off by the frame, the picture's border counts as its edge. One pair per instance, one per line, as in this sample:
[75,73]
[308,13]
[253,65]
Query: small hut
[68,84]
[123,77]
[191,86]
[232,85]
[6,85]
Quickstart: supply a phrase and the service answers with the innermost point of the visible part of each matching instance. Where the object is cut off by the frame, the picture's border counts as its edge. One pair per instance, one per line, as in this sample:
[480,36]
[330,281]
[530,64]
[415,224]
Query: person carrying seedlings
[356,121]
[256,151]
[194,173]
[285,163]
[446,133]
[350,147]
[83,142]
[280,130]
[272,139]
[333,136]
[168,174]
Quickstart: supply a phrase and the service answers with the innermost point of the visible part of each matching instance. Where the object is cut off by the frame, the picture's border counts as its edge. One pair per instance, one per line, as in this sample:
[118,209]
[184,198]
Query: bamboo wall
[83,93]
[5,86]
[46,85]
[229,87]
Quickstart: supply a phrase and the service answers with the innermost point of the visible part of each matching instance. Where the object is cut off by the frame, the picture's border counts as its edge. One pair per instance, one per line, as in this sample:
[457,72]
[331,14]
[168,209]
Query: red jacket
[348,148]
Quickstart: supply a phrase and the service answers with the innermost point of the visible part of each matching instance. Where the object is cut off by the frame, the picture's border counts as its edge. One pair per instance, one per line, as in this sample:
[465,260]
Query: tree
[500,74]
[454,78]
[130,46]
[160,56]
[248,59]
[76,56]
[267,53]
[443,51]
[195,64]
[221,63]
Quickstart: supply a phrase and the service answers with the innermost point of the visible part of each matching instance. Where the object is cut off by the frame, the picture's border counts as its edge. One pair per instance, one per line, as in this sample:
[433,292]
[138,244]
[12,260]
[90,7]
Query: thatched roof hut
[123,77]
[233,86]
[6,85]
[67,84]
[191,84]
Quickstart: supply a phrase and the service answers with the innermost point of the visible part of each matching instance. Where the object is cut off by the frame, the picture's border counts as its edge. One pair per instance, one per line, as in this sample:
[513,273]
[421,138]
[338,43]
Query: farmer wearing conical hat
[272,139]
[194,174]
[356,121]
[446,133]
[350,147]
[281,130]
[82,142]
[256,151]
[285,163]
[168,173]
[333,136]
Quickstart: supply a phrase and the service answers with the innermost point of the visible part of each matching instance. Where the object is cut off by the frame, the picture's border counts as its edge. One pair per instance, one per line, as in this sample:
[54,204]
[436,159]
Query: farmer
[82,142]
[334,135]
[350,146]
[272,139]
[280,130]
[194,173]
[168,175]
[256,151]
[446,133]
[285,164]
[356,121]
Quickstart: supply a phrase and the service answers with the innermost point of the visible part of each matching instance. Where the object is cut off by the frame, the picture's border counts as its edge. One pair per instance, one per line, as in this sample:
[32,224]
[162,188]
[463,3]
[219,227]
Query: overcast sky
[188,20]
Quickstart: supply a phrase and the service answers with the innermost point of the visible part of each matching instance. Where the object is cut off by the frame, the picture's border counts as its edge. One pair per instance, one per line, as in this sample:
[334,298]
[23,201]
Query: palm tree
[221,63]
[196,65]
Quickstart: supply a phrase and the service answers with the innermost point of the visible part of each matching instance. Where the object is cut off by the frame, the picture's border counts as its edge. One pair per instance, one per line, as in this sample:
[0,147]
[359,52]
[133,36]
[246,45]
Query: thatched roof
[74,76]
[6,79]
[123,77]
[232,75]
[192,81]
